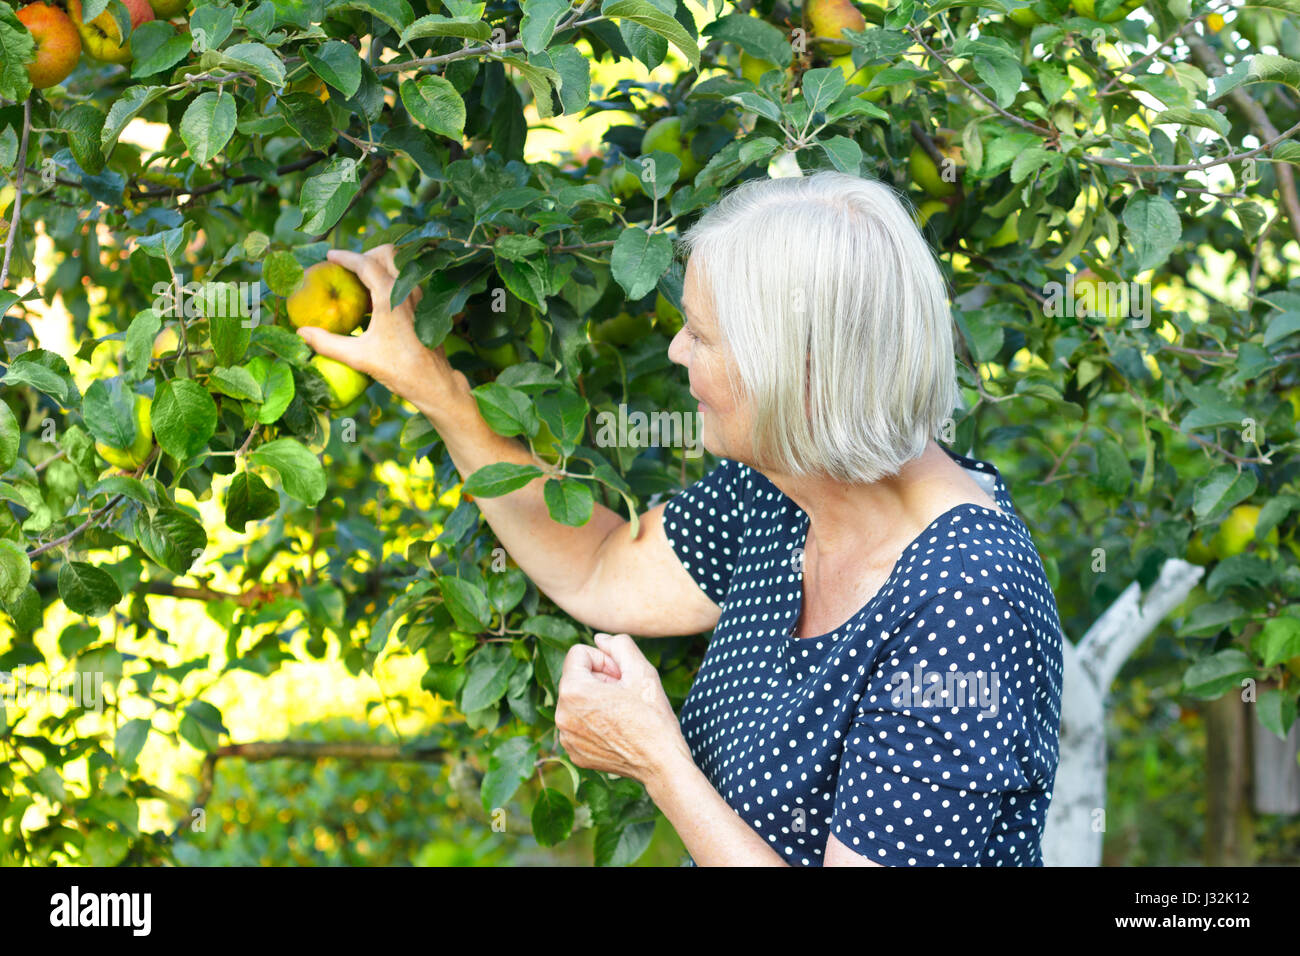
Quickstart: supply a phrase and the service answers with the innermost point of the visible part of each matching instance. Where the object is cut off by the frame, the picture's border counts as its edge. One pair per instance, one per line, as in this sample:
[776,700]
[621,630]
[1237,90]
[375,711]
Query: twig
[467,52]
[18,193]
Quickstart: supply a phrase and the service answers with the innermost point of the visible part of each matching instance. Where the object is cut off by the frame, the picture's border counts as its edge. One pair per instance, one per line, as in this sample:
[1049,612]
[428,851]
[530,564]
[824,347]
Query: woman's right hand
[388,349]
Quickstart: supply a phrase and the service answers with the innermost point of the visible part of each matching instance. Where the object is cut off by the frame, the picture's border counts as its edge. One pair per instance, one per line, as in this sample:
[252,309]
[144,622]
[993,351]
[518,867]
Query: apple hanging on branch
[102,38]
[332,298]
[58,44]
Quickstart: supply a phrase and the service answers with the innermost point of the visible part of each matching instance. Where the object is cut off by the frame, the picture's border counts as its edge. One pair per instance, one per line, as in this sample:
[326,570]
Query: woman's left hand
[612,713]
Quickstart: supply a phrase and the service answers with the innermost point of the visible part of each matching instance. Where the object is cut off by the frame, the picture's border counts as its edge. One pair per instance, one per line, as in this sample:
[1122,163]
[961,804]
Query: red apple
[58,44]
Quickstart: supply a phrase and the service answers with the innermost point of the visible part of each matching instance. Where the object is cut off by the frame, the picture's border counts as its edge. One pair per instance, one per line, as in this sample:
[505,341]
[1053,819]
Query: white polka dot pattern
[870,732]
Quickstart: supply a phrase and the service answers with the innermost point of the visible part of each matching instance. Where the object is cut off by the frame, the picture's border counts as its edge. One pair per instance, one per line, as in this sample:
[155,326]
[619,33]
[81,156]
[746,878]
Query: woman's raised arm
[596,572]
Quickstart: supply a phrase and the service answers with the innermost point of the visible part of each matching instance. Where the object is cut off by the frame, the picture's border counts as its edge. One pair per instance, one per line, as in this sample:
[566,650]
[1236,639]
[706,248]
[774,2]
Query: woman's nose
[677,350]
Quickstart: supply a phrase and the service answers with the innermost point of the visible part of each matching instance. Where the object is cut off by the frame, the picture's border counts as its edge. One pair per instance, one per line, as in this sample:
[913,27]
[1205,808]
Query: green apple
[623,182]
[622,329]
[1008,233]
[166,9]
[928,176]
[752,68]
[667,318]
[345,382]
[135,456]
[666,135]
[860,77]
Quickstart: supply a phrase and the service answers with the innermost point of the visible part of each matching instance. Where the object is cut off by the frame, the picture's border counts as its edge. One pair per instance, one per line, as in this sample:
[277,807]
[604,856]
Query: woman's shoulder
[994,555]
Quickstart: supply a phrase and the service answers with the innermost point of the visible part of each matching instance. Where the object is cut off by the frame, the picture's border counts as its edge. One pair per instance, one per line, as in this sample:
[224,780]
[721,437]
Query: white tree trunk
[1076,817]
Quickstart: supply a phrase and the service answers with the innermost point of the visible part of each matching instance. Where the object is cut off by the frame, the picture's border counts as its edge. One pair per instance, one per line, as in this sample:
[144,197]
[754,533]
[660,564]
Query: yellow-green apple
[752,68]
[1088,8]
[58,44]
[101,37]
[1238,532]
[168,340]
[828,20]
[329,297]
[345,382]
[166,9]
[860,77]
[133,457]
[927,175]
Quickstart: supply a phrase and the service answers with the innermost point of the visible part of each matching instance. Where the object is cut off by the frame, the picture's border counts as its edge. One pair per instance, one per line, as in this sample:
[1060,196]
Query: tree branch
[1263,127]
[18,193]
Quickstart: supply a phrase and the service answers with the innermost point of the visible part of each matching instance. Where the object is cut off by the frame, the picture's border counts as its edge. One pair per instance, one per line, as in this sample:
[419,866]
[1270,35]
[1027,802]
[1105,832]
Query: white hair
[836,315]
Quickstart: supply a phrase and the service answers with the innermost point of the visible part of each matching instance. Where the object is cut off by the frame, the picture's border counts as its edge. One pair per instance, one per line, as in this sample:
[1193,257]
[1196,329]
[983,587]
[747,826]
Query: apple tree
[1109,187]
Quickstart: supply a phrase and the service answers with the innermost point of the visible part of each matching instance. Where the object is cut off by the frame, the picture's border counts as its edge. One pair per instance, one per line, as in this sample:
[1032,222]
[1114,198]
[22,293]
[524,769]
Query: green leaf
[506,410]
[86,589]
[619,846]
[568,500]
[639,259]
[130,740]
[16,48]
[46,372]
[396,13]
[1270,68]
[11,437]
[1206,119]
[125,109]
[512,763]
[1211,676]
[1153,228]
[15,571]
[501,478]
[326,196]
[467,604]
[434,103]
[822,87]
[650,16]
[541,17]
[299,470]
[554,630]
[845,154]
[1221,489]
[540,80]
[755,36]
[156,46]
[172,538]
[1277,711]
[249,499]
[309,118]
[435,25]
[282,272]
[236,382]
[487,676]
[1278,640]
[552,817]
[254,58]
[338,64]
[184,417]
[202,726]
[83,124]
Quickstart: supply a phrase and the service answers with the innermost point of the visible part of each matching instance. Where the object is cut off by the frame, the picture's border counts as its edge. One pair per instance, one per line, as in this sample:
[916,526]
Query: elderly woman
[882,685]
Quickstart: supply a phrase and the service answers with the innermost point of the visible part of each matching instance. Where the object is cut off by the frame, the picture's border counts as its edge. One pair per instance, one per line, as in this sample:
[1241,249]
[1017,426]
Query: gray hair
[836,316]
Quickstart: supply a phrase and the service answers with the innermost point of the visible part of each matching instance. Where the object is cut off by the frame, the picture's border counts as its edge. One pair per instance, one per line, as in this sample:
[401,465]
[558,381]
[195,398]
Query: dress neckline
[801,532]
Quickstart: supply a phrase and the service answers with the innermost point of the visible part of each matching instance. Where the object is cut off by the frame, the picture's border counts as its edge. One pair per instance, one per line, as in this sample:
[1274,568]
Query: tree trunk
[1229,826]
[1076,817]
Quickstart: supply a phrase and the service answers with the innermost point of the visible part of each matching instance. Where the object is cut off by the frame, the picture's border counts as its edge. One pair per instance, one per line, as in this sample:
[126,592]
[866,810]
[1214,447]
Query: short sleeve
[939,736]
[705,524]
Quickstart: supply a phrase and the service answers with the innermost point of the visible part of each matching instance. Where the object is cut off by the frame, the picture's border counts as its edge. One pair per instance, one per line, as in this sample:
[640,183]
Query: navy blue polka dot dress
[923,731]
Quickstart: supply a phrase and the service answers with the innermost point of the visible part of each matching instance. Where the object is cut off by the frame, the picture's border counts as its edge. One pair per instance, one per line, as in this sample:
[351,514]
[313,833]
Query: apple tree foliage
[1153,148]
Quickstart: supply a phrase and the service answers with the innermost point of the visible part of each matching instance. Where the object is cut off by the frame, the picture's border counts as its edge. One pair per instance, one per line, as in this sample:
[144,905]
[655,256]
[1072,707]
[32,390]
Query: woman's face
[699,347]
